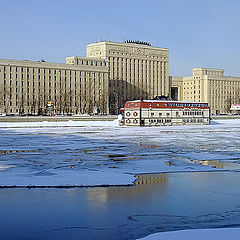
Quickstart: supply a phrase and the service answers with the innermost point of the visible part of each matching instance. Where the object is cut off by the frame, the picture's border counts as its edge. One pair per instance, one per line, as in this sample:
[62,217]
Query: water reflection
[169,163]
[145,184]
[161,178]
[17,151]
[218,164]
[121,157]
[99,195]
[147,146]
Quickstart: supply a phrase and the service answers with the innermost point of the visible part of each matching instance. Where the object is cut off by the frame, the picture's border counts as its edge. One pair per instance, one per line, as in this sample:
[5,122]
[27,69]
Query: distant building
[207,85]
[136,70]
[28,87]
[111,74]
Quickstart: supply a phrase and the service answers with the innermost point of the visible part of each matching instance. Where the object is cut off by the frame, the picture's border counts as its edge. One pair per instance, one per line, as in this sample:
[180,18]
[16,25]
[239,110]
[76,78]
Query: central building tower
[136,70]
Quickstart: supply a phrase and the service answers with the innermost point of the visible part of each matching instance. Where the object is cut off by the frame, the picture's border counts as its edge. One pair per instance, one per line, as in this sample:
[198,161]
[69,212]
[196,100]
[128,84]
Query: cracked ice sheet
[102,153]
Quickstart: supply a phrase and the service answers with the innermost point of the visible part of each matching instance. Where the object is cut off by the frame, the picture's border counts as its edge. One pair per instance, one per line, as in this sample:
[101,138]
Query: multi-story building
[111,74]
[207,85]
[28,87]
[136,70]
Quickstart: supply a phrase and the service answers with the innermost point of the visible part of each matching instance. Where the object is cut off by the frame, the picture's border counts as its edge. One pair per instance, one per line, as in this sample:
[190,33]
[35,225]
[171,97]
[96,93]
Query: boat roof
[165,101]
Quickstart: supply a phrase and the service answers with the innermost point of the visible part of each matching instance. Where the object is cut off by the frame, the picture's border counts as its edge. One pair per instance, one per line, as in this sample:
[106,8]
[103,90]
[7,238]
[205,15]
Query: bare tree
[228,103]
[41,102]
[67,101]
[32,105]
[58,101]
[2,99]
[237,96]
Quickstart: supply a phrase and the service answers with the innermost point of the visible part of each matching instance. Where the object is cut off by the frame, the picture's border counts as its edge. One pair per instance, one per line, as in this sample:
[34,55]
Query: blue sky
[202,33]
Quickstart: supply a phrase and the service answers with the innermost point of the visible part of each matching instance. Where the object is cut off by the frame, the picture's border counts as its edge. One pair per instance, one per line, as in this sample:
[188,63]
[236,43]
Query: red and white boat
[160,113]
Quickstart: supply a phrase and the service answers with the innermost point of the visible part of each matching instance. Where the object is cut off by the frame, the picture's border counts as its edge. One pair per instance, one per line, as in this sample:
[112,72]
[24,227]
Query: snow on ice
[197,234]
[86,153]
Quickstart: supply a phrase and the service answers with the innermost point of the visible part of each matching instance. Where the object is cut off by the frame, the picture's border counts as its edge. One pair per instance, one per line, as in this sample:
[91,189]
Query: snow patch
[69,123]
[199,234]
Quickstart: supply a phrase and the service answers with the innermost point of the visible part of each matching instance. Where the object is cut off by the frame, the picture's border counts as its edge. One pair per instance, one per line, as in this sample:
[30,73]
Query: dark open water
[157,203]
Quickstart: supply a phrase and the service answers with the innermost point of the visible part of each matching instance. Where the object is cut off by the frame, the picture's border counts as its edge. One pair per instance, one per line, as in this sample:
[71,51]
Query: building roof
[127,44]
[165,101]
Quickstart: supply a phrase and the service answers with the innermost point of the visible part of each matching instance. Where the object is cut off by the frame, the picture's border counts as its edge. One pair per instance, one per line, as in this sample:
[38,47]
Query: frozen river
[102,153]
[198,187]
